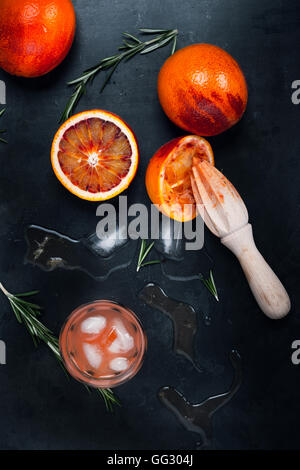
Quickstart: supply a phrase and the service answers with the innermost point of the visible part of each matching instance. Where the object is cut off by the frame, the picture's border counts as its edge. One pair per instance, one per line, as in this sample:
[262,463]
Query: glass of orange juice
[102,344]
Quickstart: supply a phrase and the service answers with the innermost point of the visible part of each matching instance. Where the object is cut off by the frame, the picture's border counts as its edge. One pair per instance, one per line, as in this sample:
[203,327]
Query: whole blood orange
[202,89]
[35,35]
[95,155]
[168,176]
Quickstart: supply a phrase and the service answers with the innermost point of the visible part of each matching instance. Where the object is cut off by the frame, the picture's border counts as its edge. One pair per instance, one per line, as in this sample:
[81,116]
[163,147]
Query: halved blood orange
[95,155]
[168,176]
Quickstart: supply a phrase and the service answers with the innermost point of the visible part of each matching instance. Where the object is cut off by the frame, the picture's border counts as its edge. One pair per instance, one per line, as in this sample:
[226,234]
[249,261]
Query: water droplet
[198,417]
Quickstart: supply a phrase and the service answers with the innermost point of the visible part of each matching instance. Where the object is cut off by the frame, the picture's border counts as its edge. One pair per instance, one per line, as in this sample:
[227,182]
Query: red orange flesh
[95,155]
[168,176]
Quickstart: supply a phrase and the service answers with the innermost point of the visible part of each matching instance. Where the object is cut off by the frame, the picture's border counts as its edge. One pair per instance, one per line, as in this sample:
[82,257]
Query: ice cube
[93,325]
[105,243]
[119,364]
[124,341]
[170,239]
[93,355]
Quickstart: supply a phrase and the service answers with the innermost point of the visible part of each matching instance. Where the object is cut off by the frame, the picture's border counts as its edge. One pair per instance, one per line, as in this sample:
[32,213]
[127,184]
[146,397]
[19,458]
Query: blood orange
[35,35]
[168,176]
[202,89]
[95,155]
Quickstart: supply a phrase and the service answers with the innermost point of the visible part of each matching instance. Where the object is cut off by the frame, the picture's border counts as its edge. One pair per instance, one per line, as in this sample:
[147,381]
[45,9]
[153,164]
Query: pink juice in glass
[102,344]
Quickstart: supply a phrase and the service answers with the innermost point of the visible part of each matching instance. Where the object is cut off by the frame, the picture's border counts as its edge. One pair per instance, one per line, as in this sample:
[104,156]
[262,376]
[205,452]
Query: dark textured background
[39,408]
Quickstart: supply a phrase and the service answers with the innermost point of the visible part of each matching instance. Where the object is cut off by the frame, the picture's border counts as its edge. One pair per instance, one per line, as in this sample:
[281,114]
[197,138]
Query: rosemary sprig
[28,313]
[2,131]
[144,252]
[210,285]
[130,47]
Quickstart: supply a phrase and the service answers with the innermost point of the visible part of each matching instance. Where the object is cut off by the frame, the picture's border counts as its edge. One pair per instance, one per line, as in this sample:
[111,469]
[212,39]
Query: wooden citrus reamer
[226,215]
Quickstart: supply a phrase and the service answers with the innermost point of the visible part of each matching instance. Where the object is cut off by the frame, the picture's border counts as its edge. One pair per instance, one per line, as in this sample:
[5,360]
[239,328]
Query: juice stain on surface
[183,316]
[198,417]
[51,250]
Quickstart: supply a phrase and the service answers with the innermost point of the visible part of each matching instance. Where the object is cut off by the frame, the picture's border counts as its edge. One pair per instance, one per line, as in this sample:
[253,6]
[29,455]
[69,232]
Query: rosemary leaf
[28,294]
[147,251]
[75,97]
[109,398]
[130,36]
[147,263]
[213,285]
[142,249]
[174,45]
[128,44]
[109,76]
[157,46]
[154,31]
[28,304]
